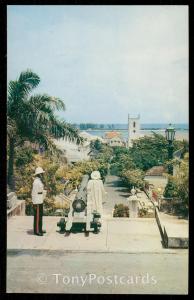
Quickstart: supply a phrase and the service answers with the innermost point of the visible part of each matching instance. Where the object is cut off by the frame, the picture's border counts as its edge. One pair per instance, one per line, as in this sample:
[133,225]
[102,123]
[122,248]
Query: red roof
[112,134]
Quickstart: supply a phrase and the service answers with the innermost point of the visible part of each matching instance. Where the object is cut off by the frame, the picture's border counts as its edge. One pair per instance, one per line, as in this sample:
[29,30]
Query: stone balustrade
[15,207]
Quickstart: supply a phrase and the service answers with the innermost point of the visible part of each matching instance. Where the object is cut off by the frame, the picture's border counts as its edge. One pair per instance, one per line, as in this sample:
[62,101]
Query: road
[101,273]
[115,194]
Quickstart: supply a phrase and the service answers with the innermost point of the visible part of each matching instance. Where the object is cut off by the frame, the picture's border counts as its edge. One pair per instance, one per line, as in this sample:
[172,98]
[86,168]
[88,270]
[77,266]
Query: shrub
[170,189]
[121,210]
[143,211]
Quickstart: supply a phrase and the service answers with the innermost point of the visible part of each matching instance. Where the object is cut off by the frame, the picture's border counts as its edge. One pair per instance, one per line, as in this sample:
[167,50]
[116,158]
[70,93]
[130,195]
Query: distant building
[72,151]
[114,138]
[116,141]
[156,171]
[112,134]
[156,177]
[133,129]
[90,137]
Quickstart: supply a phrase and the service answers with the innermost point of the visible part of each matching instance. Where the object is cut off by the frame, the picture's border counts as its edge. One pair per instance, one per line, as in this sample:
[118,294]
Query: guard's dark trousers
[38,213]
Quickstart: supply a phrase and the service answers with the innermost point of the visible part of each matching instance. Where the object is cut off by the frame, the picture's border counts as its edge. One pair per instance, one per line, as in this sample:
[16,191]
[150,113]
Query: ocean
[182,130]
[150,126]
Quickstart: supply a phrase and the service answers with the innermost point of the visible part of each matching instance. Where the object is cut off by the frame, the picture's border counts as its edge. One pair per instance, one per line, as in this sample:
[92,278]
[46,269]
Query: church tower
[133,129]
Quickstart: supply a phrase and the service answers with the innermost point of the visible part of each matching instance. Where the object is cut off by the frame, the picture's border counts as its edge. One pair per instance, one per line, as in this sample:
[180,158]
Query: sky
[105,61]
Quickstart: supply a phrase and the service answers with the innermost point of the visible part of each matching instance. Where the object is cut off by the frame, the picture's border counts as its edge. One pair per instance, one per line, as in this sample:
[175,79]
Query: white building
[89,137]
[133,129]
[115,141]
[114,138]
[72,151]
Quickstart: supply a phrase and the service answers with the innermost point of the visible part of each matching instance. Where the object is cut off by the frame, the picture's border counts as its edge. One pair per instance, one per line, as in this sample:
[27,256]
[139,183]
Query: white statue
[95,192]
[95,196]
[133,204]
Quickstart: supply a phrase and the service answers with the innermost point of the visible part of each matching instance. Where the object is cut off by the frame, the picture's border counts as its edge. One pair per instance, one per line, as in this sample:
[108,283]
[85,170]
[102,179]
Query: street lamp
[170,134]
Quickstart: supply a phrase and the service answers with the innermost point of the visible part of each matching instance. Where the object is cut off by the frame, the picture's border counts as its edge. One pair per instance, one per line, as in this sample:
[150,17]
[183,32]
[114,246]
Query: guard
[38,195]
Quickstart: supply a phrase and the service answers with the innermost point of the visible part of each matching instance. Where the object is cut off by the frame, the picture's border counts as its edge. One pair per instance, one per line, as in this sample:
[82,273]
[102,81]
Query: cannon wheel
[96,229]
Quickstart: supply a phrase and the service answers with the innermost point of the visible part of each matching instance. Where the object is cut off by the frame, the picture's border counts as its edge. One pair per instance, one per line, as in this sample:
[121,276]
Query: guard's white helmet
[39,170]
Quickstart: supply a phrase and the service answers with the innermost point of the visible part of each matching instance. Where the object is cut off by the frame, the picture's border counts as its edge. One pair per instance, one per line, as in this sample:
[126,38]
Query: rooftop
[156,171]
[112,134]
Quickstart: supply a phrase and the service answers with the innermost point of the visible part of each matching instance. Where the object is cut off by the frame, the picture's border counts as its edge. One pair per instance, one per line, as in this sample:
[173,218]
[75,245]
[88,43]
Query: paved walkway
[117,235]
[115,194]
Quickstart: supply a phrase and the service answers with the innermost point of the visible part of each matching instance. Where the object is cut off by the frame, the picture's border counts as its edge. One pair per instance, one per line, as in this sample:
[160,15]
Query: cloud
[105,61]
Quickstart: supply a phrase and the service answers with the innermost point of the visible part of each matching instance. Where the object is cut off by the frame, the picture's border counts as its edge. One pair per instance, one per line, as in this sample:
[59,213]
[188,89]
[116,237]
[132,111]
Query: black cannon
[78,217]
[80,202]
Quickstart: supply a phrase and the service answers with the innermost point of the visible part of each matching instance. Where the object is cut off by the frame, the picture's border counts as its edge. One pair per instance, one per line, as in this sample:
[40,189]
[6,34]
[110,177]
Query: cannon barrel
[80,202]
[86,219]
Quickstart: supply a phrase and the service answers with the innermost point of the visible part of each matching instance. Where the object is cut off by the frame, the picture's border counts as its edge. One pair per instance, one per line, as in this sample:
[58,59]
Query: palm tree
[32,118]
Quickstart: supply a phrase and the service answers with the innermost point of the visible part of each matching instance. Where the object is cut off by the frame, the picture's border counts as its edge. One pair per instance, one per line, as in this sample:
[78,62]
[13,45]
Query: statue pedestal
[133,206]
[133,209]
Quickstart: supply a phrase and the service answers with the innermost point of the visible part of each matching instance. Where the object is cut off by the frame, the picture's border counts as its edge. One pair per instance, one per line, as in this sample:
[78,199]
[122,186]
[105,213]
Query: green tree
[32,118]
[122,160]
[120,163]
[105,153]
[177,187]
[120,150]
[23,156]
[133,177]
[150,151]
[96,145]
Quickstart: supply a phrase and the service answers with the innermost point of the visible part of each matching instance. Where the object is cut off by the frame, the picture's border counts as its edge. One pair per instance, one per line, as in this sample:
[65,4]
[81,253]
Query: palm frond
[19,90]
[57,103]
[61,129]
[29,78]
[46,101]
[38,111]
[46,105]
[16,94]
